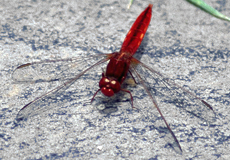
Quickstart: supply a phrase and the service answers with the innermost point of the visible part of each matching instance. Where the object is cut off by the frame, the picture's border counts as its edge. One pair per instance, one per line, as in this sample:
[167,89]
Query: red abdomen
[137,31]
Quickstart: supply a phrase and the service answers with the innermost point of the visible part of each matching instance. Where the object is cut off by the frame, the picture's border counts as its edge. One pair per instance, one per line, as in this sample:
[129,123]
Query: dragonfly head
[109,86]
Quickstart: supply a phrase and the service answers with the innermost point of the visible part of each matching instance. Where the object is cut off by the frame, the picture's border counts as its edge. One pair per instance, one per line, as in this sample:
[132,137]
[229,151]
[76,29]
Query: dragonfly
[120,65]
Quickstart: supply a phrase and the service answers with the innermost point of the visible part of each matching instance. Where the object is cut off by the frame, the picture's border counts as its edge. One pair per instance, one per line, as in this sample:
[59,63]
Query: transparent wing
[163,91]
[52,71]
[170,92]
[167,133]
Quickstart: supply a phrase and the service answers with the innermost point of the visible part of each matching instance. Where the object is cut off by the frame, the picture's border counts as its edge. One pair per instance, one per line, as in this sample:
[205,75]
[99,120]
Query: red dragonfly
[120,64]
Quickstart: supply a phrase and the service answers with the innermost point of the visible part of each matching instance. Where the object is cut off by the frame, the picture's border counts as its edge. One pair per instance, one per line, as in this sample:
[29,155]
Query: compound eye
[113,82]
[115,85]
[103,82]
[107,91]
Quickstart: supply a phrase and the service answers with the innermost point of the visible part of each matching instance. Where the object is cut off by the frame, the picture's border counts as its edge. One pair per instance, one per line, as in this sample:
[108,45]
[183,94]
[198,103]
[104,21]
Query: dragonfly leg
[132,77]
[125,90]
[94,95]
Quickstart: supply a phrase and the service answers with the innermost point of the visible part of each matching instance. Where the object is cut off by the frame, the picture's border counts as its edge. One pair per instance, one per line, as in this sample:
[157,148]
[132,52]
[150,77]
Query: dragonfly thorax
[109,86]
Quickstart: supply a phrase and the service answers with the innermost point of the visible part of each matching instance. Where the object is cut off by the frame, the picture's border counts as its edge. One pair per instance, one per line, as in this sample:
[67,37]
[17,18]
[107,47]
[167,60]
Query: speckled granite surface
[182,42]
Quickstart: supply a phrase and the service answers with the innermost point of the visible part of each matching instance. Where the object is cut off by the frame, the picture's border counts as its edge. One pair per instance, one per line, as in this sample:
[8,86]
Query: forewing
[162,91]
[56,96]
[153,114]
[170,92]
